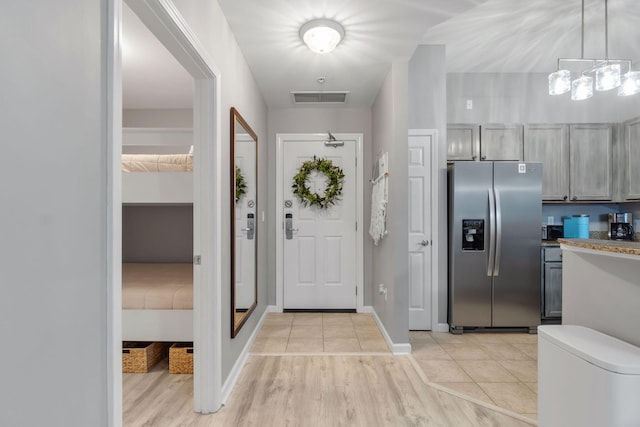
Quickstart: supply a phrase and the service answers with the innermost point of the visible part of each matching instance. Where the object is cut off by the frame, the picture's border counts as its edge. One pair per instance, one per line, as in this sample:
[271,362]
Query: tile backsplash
[598,215]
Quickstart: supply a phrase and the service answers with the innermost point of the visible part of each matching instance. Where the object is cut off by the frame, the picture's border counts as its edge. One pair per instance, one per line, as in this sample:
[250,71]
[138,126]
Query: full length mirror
[244,224]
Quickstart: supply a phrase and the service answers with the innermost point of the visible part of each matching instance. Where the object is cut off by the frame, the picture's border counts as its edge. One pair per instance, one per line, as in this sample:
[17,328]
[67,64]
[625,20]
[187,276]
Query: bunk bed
[157,295]
[157,301]
[157,165]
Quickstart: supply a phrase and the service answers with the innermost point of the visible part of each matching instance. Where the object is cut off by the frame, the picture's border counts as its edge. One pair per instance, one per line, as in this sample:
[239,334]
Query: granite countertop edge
[617,246]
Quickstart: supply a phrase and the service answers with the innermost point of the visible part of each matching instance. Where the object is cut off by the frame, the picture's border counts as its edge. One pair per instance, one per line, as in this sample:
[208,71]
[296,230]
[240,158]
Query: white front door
[246,224]
[420,246]
[319,256]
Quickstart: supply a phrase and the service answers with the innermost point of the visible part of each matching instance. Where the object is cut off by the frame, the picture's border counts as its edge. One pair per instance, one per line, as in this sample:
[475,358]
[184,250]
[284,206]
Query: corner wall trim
[232,379]
[396,349]
[441,327]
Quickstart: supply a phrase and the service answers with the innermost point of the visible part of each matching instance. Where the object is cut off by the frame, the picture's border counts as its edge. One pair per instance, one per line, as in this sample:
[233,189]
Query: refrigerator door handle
[492,235]
[496,268]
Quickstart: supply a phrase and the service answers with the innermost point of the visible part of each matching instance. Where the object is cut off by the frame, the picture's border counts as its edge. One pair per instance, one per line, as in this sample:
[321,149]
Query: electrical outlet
[469,104]
[382,290]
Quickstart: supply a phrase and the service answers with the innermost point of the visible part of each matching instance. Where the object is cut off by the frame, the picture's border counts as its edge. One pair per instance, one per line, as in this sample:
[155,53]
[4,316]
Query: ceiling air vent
[334,97]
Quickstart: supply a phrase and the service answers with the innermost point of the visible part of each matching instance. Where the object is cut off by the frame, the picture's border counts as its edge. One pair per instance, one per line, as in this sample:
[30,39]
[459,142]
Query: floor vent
[334,97]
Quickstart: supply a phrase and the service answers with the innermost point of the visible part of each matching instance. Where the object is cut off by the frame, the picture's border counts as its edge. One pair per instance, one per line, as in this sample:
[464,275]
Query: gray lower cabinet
[551,282]
[631,158]
[501,142]
[549,144]
[463,142]
[591,159]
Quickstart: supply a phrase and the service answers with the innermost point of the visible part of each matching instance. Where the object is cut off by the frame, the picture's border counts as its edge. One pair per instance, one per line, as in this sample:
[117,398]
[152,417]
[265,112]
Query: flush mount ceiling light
[321,35]
[607,72]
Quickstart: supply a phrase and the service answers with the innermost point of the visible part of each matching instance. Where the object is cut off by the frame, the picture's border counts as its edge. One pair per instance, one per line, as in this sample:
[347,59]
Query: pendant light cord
[606,30]
[582,34]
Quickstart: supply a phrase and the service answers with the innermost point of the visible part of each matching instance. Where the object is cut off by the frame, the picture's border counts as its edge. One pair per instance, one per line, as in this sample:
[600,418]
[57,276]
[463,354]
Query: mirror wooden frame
[237,119]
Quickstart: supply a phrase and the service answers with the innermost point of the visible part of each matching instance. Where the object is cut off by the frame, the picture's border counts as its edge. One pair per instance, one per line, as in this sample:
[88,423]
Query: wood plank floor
[316,390]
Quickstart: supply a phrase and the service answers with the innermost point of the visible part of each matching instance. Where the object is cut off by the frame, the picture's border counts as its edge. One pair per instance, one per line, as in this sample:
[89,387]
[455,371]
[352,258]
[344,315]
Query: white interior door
[420,247]
[245,245]
[319,257]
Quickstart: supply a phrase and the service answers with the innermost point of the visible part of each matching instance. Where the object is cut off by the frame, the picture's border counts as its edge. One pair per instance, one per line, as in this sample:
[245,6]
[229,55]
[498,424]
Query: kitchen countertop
[616,246]
[550,243]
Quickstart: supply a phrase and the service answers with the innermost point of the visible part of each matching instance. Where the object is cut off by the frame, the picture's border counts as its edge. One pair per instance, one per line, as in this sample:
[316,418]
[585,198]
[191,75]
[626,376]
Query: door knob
[424,243]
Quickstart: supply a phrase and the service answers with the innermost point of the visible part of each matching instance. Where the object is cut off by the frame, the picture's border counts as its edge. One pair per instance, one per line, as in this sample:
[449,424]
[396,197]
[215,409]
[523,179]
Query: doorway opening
[166,24]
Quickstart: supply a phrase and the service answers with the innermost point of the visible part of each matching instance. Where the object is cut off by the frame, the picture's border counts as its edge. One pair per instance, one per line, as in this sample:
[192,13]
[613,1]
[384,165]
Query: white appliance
[586,379]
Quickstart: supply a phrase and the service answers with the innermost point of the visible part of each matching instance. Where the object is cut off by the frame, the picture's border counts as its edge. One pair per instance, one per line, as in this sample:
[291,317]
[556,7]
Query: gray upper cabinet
[549,144]
[501,142]
[631,158]
[591,152]
[463,142]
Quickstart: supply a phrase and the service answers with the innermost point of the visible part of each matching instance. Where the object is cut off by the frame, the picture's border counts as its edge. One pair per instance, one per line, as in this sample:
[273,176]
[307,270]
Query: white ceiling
[480,36]
[151,76]
[530,35]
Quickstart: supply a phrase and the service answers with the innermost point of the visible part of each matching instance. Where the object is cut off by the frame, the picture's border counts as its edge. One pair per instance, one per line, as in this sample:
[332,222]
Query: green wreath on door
[332,193]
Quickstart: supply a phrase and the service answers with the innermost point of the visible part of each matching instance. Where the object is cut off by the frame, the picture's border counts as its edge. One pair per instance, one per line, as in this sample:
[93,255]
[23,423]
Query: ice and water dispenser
[473,234]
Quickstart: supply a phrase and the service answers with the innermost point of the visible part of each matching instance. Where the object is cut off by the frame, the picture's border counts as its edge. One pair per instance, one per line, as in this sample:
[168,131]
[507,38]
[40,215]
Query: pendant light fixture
[322,35]
[607,72]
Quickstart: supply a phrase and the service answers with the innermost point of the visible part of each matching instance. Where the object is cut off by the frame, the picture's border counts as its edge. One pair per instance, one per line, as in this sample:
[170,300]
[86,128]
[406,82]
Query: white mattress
[157,163]
[157,286]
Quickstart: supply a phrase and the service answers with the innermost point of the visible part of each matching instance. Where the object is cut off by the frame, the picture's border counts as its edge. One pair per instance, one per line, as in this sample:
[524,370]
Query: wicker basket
[140,357]
[181,358]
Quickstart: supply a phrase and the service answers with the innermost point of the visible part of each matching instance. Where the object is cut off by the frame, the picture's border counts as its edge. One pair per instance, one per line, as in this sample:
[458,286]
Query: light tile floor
[499,369]
[319,333]
[496,368]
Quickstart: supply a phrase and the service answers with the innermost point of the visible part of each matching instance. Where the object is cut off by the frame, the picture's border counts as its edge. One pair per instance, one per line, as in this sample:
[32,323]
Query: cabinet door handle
[574,198]
[565,197]
[483,158]
[474,157]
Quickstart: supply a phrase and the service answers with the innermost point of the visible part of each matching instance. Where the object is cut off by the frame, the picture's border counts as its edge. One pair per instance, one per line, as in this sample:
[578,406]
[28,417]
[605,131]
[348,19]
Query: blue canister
[576,226]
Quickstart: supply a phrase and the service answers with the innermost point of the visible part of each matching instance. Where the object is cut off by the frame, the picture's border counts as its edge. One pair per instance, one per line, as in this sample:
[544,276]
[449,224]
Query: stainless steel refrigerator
[495,212]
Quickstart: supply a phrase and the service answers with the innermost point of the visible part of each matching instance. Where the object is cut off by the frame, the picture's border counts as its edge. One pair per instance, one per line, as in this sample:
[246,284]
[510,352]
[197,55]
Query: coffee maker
[620,226]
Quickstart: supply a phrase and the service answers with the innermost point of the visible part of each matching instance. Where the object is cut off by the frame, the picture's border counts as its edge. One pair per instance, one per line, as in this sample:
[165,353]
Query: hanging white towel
[379,200]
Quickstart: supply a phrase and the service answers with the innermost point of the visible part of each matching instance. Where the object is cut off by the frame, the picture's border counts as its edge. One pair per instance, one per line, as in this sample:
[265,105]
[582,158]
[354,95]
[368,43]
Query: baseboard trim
[441,327]
[227,388]
[273,309]
[396,349]
[366,309]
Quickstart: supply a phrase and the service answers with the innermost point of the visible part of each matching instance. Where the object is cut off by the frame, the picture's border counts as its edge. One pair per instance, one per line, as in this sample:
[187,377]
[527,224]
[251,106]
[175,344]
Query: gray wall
[320,120]
[390,134]
[524,98]
[157,233]
[427,110]
[53,271]
[158,118]
[238,89]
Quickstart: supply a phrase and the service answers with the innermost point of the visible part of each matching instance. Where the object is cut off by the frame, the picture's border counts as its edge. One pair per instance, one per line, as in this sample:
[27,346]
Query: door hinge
[356,291]
[197,260]
[356,225]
